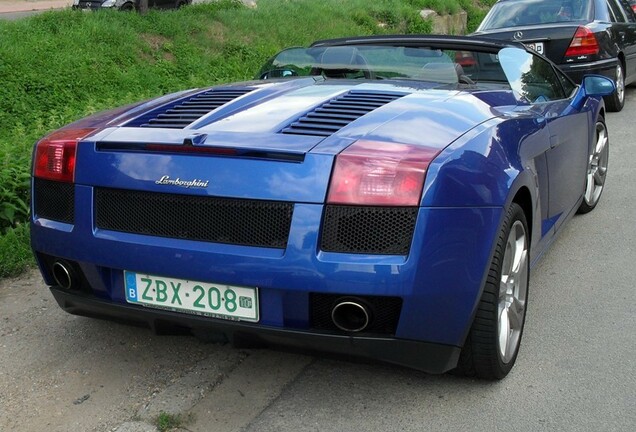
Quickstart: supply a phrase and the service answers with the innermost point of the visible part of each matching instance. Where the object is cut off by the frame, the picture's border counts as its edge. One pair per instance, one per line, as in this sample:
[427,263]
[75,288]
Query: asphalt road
[575,371]
[12,16]
[18,14]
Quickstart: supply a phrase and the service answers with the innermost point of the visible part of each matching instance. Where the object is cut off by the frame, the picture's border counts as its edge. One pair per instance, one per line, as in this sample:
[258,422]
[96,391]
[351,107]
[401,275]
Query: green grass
[476,10]
[63,65]
[166,422]
[15,253]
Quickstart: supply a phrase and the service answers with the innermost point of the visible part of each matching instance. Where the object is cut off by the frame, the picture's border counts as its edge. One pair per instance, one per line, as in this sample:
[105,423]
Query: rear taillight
[634,7]
[380,173]
[55,154]
[465,58]
[583,43]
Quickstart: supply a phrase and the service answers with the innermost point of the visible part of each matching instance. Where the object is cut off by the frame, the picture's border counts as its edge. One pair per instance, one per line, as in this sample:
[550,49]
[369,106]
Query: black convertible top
[434,41]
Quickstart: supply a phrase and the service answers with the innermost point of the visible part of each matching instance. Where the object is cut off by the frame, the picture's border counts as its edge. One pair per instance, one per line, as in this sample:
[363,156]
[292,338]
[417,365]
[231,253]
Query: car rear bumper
[577,71]
[424,356]
[438,282]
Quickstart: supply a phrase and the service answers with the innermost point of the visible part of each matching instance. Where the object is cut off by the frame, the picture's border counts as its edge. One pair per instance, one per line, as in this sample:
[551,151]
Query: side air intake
[332,116]
[181,113]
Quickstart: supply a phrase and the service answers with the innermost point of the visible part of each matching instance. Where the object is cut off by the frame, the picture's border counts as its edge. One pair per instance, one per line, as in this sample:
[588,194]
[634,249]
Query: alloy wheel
[597,166]
[620,84]
[513,291]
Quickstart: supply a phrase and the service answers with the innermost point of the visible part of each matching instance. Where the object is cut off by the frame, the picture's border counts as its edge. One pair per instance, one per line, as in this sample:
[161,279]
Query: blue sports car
[380,197]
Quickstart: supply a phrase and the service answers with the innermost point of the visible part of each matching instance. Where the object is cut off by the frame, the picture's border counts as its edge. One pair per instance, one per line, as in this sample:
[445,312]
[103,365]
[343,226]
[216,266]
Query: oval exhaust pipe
[351,316]
[63,274]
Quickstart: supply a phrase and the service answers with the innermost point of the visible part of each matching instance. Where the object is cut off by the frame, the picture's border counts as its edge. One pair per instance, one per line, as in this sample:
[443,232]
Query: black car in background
[580,36]
[127,4]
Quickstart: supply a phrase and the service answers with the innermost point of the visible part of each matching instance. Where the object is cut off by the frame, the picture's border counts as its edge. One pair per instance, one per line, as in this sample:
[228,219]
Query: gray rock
[136,427]
[455,24]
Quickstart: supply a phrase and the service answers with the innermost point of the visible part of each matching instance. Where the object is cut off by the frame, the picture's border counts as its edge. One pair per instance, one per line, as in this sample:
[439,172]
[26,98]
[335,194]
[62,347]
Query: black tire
[616,101]
[596,172]
[127,7]
[481,355]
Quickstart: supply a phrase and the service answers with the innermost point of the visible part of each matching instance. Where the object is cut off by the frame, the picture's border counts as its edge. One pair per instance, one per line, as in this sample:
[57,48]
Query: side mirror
[598,85]
[593,86]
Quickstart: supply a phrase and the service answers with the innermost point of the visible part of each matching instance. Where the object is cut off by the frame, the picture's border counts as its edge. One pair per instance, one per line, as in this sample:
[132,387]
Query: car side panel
[566,158]
[491,166]
[480,168]
[456,245]
[630,51]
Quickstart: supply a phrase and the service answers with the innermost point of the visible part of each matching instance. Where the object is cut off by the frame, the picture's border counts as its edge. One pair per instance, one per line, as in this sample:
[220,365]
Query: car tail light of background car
[583,43]
[380,173]
[55,154]
[465,59]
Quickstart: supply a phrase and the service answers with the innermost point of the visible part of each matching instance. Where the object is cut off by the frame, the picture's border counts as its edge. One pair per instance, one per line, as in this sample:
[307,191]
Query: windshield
[516,13]
[440,67]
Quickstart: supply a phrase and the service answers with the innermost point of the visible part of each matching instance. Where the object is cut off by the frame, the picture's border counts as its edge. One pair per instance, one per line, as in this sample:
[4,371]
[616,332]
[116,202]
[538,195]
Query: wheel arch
[525,191]
[524,199]
[128,5]
[521,193]
[621,57]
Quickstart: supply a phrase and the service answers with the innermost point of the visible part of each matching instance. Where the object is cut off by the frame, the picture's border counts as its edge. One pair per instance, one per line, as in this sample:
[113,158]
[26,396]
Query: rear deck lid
[552,41]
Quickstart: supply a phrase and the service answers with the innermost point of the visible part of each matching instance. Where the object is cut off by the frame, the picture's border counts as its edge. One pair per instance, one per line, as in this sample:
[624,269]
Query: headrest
[439,72]
[344,55]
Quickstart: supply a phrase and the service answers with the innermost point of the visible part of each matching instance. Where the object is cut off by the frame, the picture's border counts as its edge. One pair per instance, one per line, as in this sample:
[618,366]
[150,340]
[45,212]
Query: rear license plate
[537,46]
[200,298]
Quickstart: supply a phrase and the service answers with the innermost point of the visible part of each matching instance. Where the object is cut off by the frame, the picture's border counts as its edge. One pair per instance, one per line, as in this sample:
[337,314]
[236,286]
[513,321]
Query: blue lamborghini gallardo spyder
[381,197]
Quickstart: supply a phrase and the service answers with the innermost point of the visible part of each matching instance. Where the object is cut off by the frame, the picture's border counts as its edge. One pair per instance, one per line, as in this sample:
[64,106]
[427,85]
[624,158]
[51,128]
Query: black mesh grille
[220,220]
[372,230]
[385,312]
[54,200]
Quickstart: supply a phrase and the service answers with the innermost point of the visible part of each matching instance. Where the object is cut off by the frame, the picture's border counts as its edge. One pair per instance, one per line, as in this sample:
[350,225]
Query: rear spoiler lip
[201,150]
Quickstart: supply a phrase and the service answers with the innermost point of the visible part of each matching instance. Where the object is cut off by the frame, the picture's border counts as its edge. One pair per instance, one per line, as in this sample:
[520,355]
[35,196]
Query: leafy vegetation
[476,11]
[14,207]
[63,65]
[15,252]
[166,422]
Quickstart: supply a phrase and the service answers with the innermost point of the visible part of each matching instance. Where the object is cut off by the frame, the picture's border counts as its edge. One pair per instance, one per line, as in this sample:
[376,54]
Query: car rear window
[516,13]
[433,65]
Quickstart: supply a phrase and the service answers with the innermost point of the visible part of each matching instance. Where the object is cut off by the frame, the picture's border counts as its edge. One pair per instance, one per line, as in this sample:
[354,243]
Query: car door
[566,158]
[625,35]
[549,93]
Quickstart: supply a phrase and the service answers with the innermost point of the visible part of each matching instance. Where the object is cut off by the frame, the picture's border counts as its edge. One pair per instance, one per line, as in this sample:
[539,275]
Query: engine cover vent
[181,113]
[332,116]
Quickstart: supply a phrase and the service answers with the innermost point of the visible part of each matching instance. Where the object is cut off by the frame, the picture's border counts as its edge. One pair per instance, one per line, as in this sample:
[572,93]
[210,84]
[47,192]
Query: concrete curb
[13,6]
[17,6]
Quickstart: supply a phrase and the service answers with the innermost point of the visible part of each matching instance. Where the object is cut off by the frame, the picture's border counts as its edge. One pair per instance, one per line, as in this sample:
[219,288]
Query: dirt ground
[60,372]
